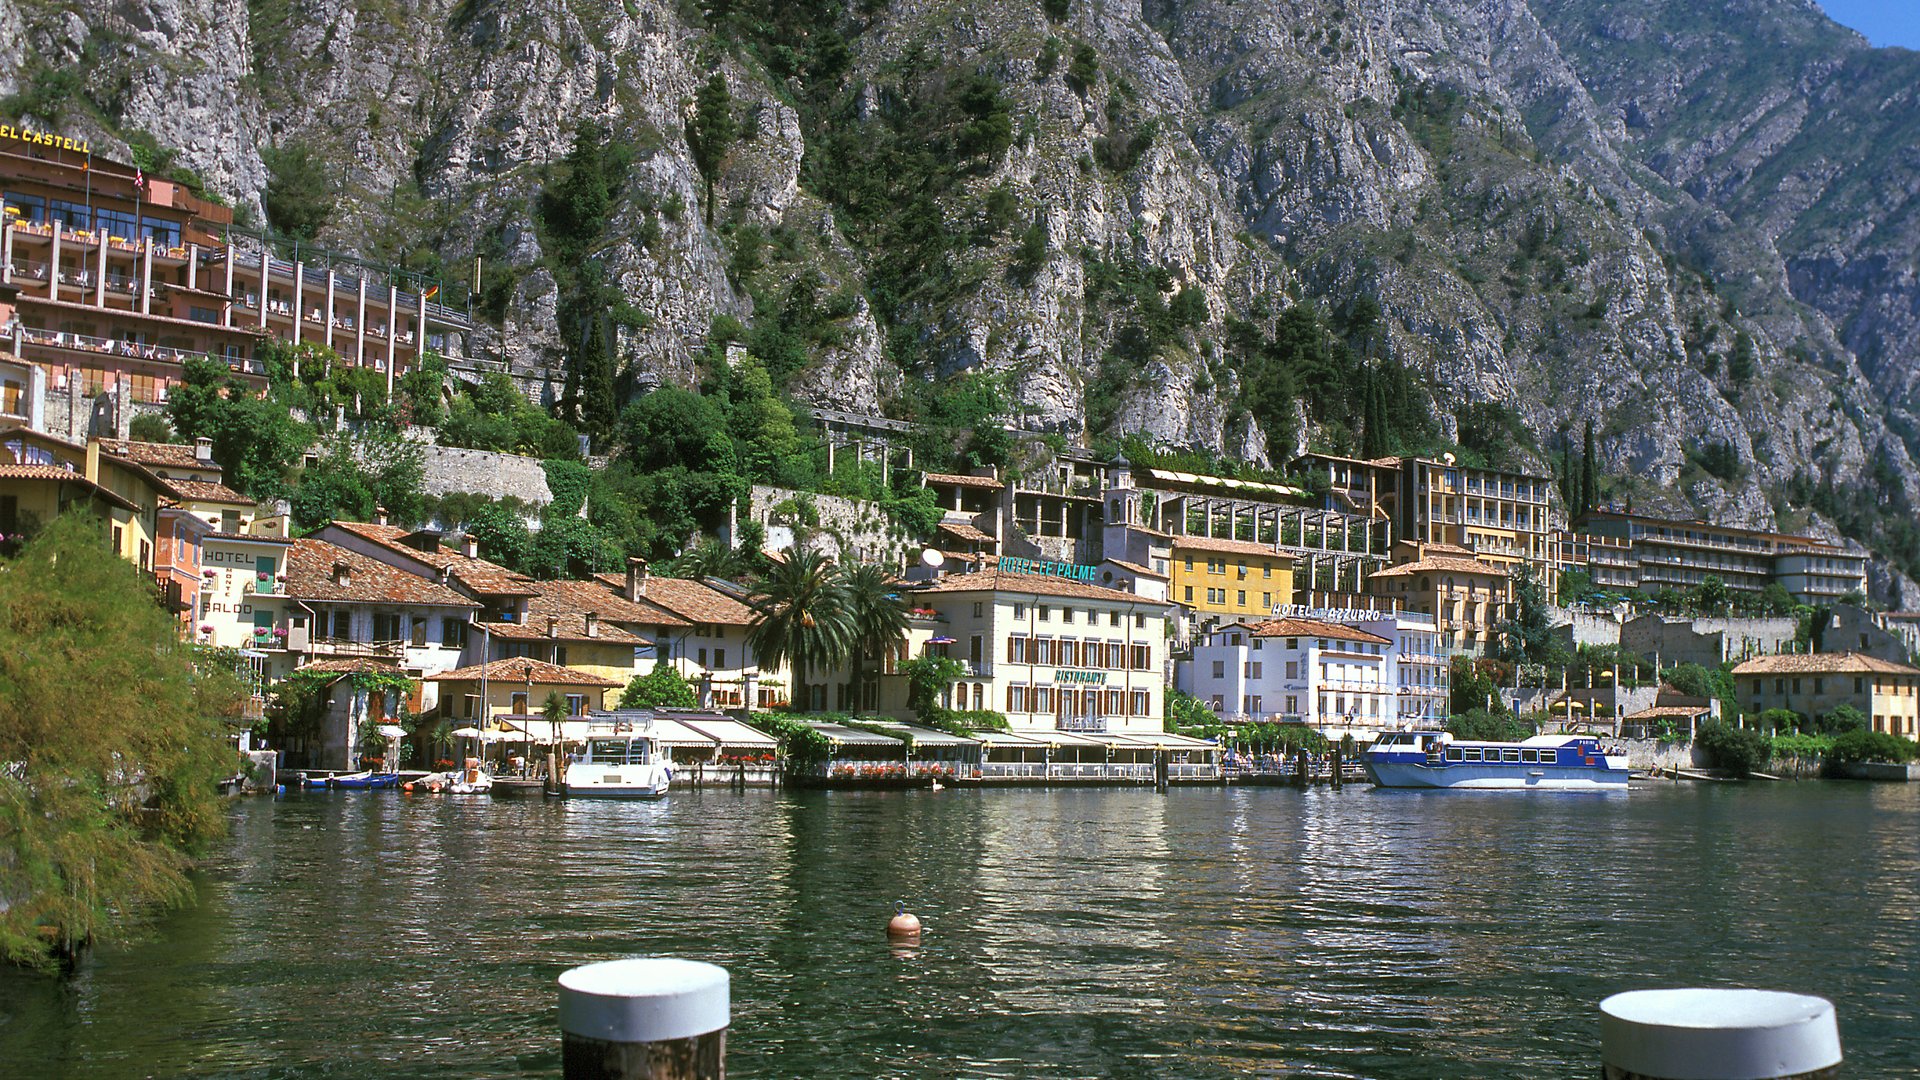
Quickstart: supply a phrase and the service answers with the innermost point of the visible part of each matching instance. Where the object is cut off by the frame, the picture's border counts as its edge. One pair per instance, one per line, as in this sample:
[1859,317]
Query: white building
[1359,671]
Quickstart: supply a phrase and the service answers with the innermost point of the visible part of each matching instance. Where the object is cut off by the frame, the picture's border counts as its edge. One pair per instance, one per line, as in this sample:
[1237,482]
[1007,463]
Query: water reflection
[1204,933]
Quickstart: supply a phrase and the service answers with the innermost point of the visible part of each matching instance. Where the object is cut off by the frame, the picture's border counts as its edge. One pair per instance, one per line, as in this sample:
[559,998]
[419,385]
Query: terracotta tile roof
[207,491]
[1821,664]
[1138,569]
[1444,565]
[310,576]
[1314,628]
[55,472]
[576,598]
[958,480]
[478,575]
[967,532]
[570,627]
[249,536]
[1228,547]
[685,599]
[172,455]
[523,669]
[1033,584]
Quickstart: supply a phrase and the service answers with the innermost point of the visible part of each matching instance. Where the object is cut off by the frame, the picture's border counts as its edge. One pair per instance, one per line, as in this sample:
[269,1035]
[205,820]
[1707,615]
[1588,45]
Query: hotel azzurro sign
[1042,568]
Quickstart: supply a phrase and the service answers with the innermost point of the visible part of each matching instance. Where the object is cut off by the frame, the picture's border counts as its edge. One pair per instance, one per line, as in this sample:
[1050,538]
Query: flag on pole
[431,293]
[139,179]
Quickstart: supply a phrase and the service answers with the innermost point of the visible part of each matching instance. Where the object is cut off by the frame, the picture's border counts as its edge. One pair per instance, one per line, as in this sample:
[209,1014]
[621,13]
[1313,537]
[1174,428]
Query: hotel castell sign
[16,133]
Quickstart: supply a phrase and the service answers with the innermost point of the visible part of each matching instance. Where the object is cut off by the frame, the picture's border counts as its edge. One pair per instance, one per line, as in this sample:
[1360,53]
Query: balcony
[263,585]
[131,350]
[1094,724]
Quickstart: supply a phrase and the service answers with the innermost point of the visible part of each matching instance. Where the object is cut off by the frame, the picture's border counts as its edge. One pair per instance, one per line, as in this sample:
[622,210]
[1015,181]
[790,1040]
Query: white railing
[1006,770]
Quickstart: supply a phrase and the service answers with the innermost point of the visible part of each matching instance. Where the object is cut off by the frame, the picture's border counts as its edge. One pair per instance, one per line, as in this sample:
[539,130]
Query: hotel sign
[1042,568]
[1096,677]
[44,138]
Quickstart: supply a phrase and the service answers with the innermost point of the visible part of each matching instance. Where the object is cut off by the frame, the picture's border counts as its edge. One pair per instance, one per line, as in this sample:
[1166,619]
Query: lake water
[1205,933]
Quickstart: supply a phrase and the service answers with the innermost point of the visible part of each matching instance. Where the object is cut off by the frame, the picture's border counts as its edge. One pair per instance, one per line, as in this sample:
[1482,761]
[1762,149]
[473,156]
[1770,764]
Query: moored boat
[617,764]
[1435,759]
[364,780]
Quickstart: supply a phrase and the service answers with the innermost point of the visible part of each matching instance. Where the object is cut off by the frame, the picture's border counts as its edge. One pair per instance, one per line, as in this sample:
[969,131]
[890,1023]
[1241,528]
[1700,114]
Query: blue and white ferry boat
[1435,759]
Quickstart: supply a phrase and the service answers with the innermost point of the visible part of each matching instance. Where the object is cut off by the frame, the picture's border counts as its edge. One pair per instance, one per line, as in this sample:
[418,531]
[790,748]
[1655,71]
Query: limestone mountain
[1241,228]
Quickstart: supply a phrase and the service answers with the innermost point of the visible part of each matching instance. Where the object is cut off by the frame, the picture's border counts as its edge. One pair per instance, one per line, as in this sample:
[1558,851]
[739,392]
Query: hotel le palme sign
[1071,572]
[17,133]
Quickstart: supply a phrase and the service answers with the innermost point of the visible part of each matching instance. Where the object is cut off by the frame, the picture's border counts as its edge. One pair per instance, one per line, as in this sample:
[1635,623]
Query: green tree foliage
[1474,685]
[1483,726]
[503,535]
[662,688]
[1306,363]
[927,677]
[1711,596]
[1084,68]
[711,133]
[494,415]
[879,616]
[1528,635]
[299,197]
[150,427]
[1589,474]
[419,391]
[1740,362]
[1843,720]
[1860,745]
[801,619]
[113,745]
[356,475]
[1186,713]
[574,212]
[254,439]
[1736,750]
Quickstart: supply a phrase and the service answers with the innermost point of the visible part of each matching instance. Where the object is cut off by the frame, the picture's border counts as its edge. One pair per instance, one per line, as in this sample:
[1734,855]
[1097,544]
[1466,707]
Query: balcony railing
[132,350]
[335,646]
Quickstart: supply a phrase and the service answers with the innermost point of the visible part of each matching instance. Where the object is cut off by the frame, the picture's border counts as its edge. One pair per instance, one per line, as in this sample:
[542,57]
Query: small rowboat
[364,781]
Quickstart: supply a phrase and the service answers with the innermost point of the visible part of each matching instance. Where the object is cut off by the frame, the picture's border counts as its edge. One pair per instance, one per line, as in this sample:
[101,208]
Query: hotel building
[1333,670]
[121,278]
[1627,551]
[1051,653]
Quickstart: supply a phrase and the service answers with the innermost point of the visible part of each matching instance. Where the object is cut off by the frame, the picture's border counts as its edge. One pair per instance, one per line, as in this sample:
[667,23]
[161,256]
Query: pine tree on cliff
[711,133]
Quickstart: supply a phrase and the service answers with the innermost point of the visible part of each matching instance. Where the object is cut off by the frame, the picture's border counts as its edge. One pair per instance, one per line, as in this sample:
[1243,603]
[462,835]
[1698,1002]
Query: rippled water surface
[1205,933]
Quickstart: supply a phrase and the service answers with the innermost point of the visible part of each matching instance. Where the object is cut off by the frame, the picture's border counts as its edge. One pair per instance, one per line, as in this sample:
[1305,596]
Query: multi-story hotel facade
[1333,670]
[1053,654]
[121,278]
[1625,550]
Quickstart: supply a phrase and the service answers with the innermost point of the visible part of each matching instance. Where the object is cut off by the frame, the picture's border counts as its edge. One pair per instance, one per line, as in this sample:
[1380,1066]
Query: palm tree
[879,617]
[709,558]
[801,619]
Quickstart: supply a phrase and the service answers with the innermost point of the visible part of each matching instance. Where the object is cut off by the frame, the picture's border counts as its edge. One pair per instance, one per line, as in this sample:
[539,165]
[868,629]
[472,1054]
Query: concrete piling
[645,1018]
[1700,1034]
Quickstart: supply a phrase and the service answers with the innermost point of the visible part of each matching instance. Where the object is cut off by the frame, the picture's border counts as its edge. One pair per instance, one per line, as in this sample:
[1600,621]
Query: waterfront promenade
[1210,932]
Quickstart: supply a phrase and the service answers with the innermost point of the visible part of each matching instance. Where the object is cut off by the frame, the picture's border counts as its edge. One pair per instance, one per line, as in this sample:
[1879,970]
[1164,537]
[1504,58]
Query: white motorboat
[621,763]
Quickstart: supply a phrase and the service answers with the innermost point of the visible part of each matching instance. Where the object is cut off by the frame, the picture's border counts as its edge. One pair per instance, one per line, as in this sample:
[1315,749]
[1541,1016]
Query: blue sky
[1884,22]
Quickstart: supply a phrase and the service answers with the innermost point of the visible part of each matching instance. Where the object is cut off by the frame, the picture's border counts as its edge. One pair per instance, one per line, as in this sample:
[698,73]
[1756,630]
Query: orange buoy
[903,925]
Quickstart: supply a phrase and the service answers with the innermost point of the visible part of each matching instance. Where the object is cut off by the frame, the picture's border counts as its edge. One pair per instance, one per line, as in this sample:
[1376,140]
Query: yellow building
[1228,577]
[1814,684]
[499,692]
[42,476]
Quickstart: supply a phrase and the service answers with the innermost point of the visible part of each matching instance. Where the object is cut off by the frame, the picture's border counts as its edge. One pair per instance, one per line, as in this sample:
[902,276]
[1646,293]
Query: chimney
[636,578]
[342,573]
[203,450]
[470,546]
[593,624]
[379,515]
[553,626]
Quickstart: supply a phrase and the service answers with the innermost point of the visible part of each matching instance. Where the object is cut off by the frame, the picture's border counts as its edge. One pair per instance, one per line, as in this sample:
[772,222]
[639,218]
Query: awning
[392,731]
[925,736]
[466,733]
[729,733]
[537,731]
[847,736]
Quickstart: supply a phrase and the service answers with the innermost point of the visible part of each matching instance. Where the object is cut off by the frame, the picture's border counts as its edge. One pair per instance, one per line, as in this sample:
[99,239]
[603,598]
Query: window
[1266,570]
[1242,598]
[576,704]
[1139,620]
[1113,618]
[453,633]
[1016,649]
[974,648]
[1529,756]
[1255,672]
[1141,704]
[719,658]
[1019,611]
[518,703]
[1819,686]
[702,659]
[1066,616]
[1141,658]
[1189,564]
[976,609]
[1189,596]
[1856,685]
[417,633]
[1046,612]
[1266,600]
[1293,643]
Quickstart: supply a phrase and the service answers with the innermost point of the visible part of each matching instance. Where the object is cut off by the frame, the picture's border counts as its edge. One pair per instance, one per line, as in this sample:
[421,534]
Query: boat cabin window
[1548,757]
[616,751]
[1453,753]
[1473,753]
[1529,755]
[1509,754]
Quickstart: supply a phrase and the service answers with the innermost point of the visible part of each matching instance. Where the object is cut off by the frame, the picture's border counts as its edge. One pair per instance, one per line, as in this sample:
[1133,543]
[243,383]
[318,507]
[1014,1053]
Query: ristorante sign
[27,135]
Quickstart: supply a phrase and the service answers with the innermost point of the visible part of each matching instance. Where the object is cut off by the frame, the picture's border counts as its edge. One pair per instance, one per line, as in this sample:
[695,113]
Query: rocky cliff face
[1610,212]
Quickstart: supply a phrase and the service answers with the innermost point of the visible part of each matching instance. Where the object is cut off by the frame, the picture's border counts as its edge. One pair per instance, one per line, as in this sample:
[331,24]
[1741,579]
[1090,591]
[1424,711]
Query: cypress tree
[710,136]
[1589,473]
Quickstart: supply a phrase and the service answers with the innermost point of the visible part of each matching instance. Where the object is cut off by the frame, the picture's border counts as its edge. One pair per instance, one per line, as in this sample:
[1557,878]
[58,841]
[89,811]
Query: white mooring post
[646,1018]
[1718,1035]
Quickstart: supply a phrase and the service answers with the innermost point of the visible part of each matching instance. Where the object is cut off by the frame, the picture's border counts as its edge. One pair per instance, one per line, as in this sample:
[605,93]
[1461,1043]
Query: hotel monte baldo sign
[1010,564]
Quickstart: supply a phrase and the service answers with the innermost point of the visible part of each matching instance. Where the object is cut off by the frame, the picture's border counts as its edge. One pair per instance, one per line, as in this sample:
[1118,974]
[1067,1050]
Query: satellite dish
[1448,458]
[932,559]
